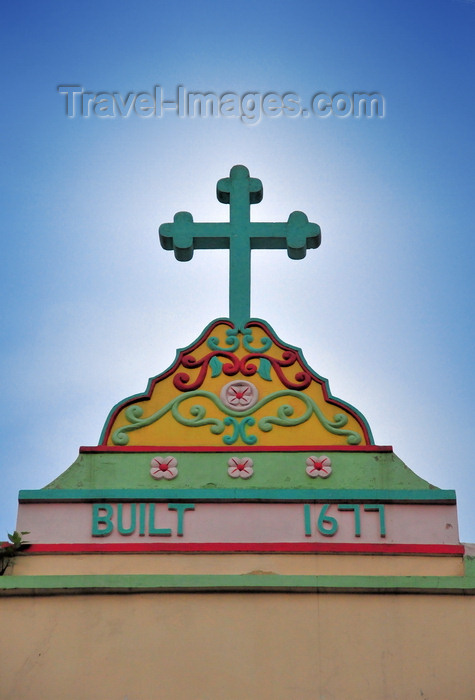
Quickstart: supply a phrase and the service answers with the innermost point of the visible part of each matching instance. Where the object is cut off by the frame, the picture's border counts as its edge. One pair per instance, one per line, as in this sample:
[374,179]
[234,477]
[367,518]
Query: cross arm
[184,236]
[298,234]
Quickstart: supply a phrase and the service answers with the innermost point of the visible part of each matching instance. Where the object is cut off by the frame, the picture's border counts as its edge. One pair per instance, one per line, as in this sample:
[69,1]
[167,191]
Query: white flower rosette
[239,395]
[319,466]
[163,467]
[240,467]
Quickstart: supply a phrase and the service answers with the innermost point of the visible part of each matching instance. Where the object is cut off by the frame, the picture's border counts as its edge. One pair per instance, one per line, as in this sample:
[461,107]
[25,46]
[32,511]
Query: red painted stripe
[297,448]
[223,548]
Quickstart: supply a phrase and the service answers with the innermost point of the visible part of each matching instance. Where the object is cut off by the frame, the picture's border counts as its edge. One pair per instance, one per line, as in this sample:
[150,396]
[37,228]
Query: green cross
[239,190]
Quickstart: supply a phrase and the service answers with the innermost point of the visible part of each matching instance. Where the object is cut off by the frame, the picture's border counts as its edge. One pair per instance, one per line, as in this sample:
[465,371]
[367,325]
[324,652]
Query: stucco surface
[294,564]
[234,646]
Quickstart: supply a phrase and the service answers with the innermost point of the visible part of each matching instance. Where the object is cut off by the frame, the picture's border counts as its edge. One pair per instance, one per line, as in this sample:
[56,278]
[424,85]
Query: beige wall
[211,646]
[293,564]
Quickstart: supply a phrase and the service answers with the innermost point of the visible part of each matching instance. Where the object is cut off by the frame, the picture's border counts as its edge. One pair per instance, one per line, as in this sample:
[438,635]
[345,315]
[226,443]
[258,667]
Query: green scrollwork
[134,416]
[239,430]
[248,338]
[285,417]
[240,421]
[285,411]
[232,341]
[134,413]
[199,416]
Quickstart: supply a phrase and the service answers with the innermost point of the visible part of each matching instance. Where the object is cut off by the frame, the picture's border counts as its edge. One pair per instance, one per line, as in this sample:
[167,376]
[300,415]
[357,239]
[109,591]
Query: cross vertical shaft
[240,236]
[239,191]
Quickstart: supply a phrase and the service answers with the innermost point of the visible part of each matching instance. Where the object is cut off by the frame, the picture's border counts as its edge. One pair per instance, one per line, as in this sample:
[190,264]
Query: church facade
[237,532]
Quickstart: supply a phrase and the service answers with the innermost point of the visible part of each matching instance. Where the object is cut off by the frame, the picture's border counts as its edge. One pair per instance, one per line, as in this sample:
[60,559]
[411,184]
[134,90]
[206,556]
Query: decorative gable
[234,388]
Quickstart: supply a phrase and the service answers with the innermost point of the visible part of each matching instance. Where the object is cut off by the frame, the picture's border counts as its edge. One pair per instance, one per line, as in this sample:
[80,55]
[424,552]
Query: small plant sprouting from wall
[9,549]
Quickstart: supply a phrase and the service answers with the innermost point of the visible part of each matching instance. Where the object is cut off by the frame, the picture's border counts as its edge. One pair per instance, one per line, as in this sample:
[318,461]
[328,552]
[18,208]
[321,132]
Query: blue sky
[92,306]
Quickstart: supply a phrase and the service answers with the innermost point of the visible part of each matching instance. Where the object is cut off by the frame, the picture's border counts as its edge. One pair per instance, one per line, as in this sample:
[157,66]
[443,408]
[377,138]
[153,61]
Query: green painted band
[131,583]
[317,495]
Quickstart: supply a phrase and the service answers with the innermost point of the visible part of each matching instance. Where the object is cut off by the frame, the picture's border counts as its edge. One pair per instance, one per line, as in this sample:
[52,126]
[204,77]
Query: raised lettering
[323,519]
[382,522]
[180,509]
[152,531]
[98,519]
[355,507]
[120,525]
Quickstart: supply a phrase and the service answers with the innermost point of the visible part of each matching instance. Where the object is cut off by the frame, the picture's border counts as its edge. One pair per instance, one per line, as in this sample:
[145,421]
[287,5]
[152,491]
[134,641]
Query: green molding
[446,497]
[271,583]
[272,470]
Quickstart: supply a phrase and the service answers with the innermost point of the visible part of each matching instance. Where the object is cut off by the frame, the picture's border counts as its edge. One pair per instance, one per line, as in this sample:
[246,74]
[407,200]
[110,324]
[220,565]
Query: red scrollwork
[248,366]
[182,380]
[302,379]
